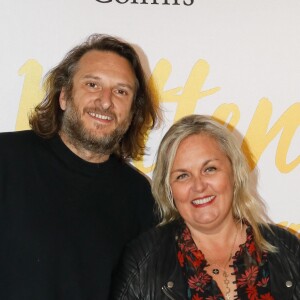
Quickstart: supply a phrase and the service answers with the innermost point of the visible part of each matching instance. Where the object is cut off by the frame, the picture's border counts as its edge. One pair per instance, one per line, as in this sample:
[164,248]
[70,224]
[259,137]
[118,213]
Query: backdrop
[237,60]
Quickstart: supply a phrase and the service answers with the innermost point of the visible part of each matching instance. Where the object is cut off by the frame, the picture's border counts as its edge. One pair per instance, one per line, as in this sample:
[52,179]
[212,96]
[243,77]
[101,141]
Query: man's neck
[83,153]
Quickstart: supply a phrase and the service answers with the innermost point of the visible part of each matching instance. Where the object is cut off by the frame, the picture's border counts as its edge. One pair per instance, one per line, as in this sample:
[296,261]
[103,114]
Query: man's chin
[99,130]
[100,136]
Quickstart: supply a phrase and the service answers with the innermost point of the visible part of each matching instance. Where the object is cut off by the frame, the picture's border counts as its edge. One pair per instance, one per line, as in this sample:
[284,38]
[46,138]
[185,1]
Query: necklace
[225,274]
[216,271]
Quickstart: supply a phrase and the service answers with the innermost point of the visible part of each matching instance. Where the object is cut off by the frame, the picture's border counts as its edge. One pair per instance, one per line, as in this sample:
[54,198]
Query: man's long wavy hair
[245,206]
[46,119]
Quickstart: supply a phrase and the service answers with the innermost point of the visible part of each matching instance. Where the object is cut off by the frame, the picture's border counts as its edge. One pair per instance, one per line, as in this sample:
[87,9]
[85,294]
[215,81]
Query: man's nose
[105,98]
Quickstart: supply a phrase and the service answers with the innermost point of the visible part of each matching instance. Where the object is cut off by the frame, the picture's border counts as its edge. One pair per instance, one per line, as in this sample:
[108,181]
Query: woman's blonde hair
[245,206]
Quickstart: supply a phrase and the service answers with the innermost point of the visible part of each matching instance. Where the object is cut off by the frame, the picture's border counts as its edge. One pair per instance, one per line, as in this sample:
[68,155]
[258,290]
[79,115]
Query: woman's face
[202,183]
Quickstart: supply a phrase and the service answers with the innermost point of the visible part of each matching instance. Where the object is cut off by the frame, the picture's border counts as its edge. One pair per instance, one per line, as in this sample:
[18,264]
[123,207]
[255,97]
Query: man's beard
[79,136]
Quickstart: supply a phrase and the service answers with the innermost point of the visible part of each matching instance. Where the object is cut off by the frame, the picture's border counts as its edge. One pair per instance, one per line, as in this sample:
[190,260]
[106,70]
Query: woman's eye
[181,176]
[210,169]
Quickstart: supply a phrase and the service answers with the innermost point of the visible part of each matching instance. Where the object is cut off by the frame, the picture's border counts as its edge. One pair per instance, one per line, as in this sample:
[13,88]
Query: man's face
[99,111]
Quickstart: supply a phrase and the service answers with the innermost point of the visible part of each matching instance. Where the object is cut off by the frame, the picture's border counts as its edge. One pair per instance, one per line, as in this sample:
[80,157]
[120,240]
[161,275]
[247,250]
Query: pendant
[216,271]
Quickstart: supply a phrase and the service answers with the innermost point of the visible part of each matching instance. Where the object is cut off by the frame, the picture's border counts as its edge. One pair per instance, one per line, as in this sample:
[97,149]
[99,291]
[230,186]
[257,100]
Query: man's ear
[62,99]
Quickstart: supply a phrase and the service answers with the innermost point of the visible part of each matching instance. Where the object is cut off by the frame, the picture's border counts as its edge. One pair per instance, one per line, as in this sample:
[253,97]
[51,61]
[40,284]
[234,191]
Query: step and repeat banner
[236,60]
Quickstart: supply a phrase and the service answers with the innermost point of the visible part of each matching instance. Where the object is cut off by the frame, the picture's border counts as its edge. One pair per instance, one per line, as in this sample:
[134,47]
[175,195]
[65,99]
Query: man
[68,199]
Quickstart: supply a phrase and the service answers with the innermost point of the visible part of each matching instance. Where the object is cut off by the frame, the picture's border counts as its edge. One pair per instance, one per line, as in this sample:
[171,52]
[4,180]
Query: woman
[215,240]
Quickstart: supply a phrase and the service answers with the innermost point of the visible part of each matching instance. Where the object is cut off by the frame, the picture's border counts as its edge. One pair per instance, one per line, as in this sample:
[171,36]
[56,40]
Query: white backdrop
[239,60]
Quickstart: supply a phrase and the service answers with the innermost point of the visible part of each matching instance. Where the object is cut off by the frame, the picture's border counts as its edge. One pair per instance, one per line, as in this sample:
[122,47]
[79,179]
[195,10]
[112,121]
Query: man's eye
[92,84]
[122,92]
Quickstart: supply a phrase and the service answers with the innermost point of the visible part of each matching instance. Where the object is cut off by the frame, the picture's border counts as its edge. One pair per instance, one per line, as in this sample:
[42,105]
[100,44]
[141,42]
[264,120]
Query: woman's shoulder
[282,238]
[144,258]
[153,239]
[152,245]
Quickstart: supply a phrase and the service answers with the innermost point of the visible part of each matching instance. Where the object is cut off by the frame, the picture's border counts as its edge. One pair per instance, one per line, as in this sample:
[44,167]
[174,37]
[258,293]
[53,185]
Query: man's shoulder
[17,140]
[131,172]
[20,147]
[17,136]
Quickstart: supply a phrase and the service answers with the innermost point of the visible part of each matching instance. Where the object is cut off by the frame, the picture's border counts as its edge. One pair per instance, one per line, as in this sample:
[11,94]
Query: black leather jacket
[150,269]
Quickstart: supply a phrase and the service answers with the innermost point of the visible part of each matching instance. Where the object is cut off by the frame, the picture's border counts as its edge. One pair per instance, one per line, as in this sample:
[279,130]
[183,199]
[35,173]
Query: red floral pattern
[251,270]
[248,278]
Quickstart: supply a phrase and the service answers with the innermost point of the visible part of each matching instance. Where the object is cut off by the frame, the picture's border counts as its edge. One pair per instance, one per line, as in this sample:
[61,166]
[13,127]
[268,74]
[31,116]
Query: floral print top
[250,268]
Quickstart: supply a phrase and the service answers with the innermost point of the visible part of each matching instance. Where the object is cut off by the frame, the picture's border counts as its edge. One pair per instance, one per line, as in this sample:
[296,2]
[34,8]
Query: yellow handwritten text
[186,97]
[293,228]
[32,92]
[258,136]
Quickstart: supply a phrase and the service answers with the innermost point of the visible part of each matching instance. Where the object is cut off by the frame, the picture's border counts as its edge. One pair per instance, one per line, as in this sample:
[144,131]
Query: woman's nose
[199,183]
